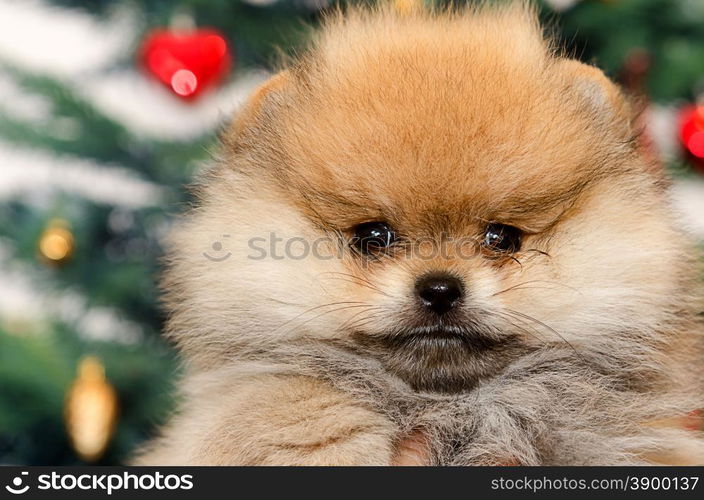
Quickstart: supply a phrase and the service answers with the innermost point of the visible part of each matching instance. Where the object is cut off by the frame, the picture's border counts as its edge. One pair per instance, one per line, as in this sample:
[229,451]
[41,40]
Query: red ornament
[691,123]
[187,62]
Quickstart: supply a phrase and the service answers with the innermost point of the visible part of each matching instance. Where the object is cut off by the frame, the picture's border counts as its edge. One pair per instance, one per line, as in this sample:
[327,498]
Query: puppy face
[441,193]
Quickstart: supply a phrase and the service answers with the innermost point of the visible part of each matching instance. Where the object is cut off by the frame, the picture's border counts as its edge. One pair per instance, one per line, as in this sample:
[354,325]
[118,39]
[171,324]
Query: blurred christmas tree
[109,106]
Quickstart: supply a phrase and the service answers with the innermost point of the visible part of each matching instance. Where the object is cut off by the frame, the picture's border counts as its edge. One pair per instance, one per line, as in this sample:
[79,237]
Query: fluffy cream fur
[437,123]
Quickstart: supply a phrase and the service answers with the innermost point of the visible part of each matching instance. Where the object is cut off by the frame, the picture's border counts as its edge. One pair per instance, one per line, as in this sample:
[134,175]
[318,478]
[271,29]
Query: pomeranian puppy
[435,240]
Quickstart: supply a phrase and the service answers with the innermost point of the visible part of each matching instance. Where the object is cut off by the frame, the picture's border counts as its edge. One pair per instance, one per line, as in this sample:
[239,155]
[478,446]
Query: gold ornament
[91,410]
[56,244]
[407,6]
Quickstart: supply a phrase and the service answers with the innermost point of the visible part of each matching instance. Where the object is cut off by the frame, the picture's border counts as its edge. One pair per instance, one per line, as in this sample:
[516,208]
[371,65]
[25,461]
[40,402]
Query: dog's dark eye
[502,238]
[371,237]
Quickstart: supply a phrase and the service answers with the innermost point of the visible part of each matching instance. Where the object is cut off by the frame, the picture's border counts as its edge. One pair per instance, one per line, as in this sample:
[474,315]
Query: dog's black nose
[439,293]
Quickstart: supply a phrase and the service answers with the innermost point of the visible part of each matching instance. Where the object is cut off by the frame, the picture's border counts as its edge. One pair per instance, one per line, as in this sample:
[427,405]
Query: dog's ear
[253,108]
[607,103]
[603,97]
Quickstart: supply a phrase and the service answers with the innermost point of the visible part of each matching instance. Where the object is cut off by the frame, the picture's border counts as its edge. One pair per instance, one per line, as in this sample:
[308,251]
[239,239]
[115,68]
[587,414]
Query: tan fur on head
[439,124]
